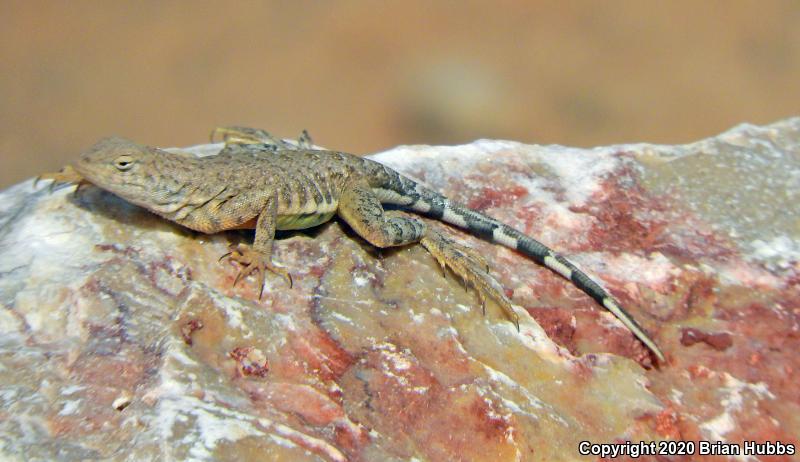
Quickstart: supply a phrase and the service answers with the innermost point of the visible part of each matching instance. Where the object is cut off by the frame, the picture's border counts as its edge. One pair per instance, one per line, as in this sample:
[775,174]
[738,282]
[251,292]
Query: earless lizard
[262,182]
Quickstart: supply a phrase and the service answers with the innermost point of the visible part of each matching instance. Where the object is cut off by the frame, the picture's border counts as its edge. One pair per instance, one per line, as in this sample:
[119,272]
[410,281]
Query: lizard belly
[305,213]
[303,220]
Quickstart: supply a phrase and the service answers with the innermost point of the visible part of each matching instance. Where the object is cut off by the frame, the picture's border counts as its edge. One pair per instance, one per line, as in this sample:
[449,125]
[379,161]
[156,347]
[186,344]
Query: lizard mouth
[87,172]
[85,175]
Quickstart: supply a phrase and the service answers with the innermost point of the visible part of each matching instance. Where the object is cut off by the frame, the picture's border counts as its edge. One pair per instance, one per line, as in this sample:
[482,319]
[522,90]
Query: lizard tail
[412,195]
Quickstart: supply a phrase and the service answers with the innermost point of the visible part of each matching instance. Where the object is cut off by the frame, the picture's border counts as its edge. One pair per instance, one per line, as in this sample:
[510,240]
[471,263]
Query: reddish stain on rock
[188,328]
[312,405]
[720,341]
[349,440]
[493,196]
[558,324]
[530,214]
[317,353]
[767,341]
[619,226]
[167,266]
[446,352]
[315,408]
[612,338]
[697,371]
[104,377]
[404,400]
[701,292]
[118,249]
[250,361]
[667,424]
[631,219]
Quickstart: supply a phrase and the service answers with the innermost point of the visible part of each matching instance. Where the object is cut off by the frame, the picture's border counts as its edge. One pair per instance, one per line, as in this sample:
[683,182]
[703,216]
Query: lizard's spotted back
[226,191]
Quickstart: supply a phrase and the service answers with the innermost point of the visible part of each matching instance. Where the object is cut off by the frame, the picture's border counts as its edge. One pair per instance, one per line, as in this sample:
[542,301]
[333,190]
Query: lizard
[260,181]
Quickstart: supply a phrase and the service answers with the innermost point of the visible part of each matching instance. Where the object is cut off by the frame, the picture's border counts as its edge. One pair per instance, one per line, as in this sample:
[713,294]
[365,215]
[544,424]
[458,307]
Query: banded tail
[412,195]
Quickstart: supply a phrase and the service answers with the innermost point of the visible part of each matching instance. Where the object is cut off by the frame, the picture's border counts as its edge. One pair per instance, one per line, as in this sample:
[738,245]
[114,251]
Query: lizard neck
[170,182]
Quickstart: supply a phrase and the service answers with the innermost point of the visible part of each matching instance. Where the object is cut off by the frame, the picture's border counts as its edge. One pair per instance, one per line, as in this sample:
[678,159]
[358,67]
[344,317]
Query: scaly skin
[262,182]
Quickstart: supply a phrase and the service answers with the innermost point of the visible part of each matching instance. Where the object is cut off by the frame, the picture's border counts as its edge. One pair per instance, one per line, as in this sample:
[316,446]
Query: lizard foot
[245,135]
[252,261]
[471,267]
[66,175]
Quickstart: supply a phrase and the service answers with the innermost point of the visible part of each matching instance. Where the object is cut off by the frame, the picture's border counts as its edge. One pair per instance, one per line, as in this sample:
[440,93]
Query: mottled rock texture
[121,337]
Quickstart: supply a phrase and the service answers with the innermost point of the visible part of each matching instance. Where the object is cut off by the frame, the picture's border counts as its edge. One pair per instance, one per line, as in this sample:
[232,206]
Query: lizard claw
[474,255]
[471,267]
[254,261]
[304,140]
[66,175]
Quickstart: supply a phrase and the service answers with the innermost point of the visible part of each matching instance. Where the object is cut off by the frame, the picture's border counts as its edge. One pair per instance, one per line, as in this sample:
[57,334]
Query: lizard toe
[244,272]
[471,268]
[253,261]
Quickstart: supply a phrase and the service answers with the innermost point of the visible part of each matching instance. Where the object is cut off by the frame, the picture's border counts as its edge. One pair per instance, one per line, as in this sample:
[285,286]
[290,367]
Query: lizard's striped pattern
[409,194]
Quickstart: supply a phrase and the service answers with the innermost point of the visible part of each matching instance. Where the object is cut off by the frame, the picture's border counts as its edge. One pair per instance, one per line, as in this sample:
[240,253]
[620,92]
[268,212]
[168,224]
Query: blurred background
[364,76]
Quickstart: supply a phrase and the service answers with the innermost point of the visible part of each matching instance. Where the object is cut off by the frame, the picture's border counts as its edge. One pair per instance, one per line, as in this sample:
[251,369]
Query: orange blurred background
[365,76]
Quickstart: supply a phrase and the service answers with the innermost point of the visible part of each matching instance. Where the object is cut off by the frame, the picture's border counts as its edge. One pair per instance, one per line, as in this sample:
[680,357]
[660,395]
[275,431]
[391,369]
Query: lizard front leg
[245,135]
[362,210]
[259,256]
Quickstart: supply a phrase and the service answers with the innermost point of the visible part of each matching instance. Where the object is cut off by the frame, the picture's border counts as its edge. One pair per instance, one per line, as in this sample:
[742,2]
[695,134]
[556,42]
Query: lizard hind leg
[362,210]
[471,268]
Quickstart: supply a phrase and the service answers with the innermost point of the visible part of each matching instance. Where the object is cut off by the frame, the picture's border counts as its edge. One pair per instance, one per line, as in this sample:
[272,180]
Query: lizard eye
[124,162]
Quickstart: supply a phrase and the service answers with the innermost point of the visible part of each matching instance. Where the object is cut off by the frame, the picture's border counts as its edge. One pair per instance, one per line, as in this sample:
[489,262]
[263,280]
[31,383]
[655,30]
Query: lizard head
[124,168]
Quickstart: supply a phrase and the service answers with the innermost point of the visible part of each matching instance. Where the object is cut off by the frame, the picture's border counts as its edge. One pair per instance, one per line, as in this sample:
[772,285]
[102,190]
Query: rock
[122,338]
